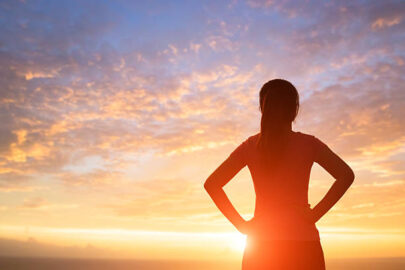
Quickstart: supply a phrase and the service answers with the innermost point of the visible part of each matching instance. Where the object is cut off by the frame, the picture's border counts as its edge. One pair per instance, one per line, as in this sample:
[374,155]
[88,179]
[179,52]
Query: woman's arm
[219,178]
[343,174]
[224,205]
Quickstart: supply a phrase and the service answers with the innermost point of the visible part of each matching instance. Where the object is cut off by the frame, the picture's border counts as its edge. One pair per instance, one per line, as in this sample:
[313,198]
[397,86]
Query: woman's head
[279,99]
[279,104]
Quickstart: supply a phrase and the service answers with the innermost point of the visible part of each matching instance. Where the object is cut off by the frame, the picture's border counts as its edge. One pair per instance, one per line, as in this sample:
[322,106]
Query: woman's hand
[246,227]
[308,214]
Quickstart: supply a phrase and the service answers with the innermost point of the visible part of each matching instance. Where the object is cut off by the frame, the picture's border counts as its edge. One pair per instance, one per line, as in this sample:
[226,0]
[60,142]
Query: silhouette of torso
[282,193]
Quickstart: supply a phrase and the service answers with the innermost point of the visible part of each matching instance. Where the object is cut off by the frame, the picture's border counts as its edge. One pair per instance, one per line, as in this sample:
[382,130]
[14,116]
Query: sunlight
[238,242]
[113,125]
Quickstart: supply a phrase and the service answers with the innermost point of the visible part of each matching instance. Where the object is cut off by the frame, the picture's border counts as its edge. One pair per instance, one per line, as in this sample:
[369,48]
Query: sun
[238,242]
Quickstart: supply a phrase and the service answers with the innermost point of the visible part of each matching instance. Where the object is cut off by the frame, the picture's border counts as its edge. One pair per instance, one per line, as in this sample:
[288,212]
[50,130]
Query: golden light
[238,242]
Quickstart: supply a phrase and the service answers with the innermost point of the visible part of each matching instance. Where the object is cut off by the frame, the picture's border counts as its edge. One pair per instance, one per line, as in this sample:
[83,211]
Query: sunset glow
[114,113]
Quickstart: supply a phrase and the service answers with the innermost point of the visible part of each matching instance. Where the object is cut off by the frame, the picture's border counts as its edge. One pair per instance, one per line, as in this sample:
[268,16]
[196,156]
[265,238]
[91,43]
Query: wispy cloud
[104,107]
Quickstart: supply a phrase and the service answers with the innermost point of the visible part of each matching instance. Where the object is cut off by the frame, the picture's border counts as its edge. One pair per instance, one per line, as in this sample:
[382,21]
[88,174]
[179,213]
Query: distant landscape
[13,263]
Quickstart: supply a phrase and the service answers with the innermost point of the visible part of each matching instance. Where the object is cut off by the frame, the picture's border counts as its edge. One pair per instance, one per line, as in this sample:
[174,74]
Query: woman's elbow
[211,184]
[349,179]
[208,185]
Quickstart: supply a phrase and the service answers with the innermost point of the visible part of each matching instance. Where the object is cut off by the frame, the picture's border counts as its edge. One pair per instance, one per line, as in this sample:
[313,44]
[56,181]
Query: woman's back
[282,193]
[282,234]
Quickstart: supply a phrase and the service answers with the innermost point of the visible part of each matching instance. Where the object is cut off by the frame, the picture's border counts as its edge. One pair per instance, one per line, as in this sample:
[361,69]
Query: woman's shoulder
[311,140]
[305,136]
[253,138]
[250,141]
[305,140]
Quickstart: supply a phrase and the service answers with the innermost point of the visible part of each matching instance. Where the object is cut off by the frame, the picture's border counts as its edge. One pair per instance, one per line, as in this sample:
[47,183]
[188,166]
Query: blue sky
[107,106]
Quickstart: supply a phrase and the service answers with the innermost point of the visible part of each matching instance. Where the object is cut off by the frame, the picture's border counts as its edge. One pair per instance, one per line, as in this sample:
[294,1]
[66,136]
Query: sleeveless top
[282,194]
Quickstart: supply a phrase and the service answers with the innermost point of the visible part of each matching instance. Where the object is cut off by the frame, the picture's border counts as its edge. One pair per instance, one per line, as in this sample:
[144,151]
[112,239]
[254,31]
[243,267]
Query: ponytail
[279,103]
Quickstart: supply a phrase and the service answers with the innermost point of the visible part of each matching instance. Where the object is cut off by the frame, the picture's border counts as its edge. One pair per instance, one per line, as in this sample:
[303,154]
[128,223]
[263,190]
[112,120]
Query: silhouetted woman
[282,233]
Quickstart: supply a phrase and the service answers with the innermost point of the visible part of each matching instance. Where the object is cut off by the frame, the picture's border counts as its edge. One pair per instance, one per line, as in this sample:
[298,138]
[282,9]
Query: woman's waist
[284,228]
[280,208]
[289,217]
[312,235]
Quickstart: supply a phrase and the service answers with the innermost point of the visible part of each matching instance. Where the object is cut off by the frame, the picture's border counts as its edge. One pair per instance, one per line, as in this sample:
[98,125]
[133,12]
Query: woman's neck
[287,128]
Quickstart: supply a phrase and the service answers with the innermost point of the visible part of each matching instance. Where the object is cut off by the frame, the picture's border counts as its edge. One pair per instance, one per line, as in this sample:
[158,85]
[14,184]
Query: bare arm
[343,174]
[219,178]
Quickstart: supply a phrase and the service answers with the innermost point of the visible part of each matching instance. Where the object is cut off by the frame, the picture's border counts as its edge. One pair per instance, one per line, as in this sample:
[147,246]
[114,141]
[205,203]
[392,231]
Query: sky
[114,113]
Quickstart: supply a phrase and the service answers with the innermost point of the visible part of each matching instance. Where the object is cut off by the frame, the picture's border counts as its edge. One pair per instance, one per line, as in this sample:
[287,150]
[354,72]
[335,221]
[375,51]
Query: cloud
[383,23]
[42,204]
[159,102]
[97,178]
[12,180]
[161,198]
[355,117]
[260,3]
[34,203]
